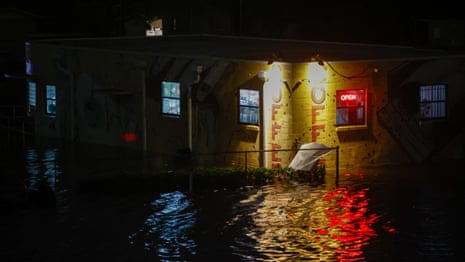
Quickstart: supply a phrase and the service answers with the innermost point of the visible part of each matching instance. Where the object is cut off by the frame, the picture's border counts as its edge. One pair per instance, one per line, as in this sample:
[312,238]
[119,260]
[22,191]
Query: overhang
[249,48]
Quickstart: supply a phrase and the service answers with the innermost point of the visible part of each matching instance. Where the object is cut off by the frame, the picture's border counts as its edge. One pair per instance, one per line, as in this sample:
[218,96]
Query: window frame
[441,98]
[50,99]
[246,104]
[169,98]
[31,95]
[352,123]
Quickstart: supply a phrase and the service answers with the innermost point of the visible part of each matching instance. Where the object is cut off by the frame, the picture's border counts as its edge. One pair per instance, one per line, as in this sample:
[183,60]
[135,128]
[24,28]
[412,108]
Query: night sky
[383,21]
[391,22]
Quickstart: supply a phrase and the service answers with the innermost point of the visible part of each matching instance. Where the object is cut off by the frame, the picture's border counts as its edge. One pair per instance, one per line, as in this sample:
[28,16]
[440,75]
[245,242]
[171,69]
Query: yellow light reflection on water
[305,223]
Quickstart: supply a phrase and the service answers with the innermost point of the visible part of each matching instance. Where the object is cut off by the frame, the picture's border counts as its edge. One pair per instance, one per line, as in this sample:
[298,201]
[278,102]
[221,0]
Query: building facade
[249,102]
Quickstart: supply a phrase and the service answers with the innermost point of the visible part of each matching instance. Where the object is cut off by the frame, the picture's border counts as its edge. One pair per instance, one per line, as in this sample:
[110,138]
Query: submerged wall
[113,99]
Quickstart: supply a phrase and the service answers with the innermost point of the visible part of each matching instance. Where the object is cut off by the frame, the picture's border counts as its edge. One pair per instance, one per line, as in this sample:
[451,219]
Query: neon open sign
[352,97]
[348,97]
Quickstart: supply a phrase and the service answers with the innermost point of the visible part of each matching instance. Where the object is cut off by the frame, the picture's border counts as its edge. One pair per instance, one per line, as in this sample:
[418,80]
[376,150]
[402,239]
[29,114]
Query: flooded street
[371,214]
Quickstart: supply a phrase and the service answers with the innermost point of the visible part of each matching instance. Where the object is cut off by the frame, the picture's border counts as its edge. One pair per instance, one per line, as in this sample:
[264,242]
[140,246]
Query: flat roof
[249,48]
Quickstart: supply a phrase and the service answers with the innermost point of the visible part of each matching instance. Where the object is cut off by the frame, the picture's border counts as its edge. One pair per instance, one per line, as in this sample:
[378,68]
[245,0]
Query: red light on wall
[129,137]
[353,97]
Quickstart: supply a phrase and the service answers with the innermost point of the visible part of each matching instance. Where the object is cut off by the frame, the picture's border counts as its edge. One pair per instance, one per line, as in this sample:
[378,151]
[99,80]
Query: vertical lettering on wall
[275,128]
[274,110]
[316,112]
[275,131]
[315,132]
[276,161]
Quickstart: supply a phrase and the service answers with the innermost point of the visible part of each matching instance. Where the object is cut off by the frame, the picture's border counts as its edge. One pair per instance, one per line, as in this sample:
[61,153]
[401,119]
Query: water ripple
[166,229]
[303,223]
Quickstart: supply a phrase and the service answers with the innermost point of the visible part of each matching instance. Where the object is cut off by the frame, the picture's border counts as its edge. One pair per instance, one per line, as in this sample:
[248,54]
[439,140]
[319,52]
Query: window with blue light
[32,95]
[433,102]
[249,106]
[170,98]
[50,100]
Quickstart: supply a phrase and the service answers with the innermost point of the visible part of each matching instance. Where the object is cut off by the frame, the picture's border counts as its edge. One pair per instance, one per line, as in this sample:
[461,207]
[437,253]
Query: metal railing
[246,155]
[14,119]
[248,158]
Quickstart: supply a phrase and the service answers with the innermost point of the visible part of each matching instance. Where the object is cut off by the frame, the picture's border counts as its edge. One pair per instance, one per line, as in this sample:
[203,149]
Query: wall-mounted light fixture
[317,58]
[275,57]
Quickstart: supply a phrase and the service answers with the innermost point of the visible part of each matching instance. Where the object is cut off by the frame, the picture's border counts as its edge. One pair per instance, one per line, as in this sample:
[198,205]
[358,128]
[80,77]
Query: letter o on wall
[318,95]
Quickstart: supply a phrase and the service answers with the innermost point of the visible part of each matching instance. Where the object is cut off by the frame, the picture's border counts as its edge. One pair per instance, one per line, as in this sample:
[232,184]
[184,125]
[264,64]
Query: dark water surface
[375,214]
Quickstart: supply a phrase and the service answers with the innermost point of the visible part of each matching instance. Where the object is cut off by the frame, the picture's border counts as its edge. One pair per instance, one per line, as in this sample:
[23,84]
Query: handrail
[13,118]
[246,152]
[14,109]
[264,150]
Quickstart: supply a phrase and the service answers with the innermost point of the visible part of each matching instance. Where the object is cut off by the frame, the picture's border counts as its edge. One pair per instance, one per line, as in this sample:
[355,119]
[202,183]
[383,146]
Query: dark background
[394,22]
[383,21]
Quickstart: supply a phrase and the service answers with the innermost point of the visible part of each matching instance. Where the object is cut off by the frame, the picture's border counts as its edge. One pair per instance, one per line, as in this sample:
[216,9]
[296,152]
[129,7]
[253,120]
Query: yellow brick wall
[304,117]
[234,137]
[315,122]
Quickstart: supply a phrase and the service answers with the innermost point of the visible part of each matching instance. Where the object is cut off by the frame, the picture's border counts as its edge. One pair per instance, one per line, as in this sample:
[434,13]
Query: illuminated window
[433,102]
[249,102]
[32,98]
[50,99]
[351,107]
[171,98]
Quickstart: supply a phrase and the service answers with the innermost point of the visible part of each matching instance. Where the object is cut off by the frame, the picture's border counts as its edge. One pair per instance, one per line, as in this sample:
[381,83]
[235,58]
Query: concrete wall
[112,99]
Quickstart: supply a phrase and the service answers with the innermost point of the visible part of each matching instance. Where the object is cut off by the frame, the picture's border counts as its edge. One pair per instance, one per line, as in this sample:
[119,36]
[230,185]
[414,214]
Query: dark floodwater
[379,214]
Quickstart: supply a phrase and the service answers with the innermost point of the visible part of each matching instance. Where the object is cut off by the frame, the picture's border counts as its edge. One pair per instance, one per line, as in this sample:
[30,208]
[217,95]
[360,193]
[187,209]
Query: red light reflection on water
[349,222]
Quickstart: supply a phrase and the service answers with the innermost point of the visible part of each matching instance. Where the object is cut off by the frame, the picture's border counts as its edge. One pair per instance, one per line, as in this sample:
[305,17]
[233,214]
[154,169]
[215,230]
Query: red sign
[353,97]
